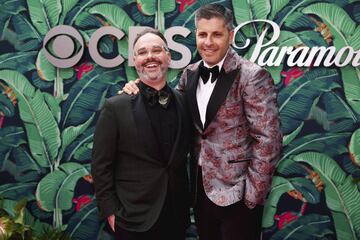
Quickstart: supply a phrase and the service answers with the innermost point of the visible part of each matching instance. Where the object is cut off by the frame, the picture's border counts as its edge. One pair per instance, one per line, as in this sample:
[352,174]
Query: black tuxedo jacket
[130,178]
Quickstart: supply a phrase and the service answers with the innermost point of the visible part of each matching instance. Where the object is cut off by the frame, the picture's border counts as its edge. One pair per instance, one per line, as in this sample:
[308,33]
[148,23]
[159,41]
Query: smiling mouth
[151,65]
[209,50]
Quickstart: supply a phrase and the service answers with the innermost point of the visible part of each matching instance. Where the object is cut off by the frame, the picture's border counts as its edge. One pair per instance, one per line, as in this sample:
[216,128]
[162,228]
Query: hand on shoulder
[130,88]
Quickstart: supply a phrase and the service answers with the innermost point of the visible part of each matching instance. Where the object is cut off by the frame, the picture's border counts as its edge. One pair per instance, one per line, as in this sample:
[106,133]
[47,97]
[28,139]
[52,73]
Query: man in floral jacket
[238,139]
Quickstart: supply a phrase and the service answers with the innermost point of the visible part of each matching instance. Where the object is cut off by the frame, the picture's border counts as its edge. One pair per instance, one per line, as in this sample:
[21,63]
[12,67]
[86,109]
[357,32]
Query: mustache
[152,59]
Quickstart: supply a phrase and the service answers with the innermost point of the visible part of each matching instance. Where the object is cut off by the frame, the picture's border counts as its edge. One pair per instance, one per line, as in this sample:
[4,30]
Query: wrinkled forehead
[149,40]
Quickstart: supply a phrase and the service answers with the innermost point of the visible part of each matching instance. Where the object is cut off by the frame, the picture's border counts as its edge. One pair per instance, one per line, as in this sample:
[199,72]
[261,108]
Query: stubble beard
[154,76]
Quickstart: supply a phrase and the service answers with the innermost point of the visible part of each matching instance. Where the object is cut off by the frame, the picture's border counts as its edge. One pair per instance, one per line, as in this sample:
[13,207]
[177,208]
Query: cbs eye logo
[63,46]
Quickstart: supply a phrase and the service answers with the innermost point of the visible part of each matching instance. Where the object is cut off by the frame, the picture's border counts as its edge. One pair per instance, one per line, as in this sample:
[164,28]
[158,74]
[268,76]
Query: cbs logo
[63,46]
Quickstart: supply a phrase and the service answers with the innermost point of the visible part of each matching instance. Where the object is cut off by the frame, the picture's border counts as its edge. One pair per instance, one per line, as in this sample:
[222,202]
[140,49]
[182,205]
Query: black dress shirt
[163,120]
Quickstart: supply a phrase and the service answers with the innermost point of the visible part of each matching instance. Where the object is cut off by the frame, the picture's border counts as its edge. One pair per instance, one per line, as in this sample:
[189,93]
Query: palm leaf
[287,39]
[48,71]
[308,227]
[44,14]
[87,95]
[116,16]
[7,10]
[331,143]
[84,224]
[335,18]
[84,5]
[312,39]
[282,185]
[276,6]
[12,136]
[28,38]
[275,72]
[6,106]
[291,7]
[41,128]
[17,191]
[28,170]
[56,190]
[345,33]
[290,168]
[67,5]
[151,7]
[296,100]
[138,17]
[83,154]
[71,133]
[342,195]
[53,104]
[354,147]
[291,136]
[245,10]
[131,73]
[339,114]
[82,140]
[349,166]
[351,82]
[105,45]
[298,20]
[38,228]
[37,82]
[20,61]
[356,13]
[87,20]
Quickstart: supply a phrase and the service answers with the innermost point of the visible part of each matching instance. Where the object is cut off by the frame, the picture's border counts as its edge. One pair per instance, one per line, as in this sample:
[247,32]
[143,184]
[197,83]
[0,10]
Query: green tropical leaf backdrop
[48,115]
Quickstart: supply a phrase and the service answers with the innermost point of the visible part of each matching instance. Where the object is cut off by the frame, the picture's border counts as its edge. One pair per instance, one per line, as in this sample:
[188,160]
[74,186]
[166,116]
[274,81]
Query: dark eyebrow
[154,46]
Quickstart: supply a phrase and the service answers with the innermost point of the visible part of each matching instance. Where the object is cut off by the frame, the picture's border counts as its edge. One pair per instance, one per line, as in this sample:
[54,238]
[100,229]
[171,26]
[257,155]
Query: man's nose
[148,55]
[208,40]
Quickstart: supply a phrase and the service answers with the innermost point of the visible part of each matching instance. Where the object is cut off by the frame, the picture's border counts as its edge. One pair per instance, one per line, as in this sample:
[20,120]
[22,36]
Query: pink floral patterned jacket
[241,140]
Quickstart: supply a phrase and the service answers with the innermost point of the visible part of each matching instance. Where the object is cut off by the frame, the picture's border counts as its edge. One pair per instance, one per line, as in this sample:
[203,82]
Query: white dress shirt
[204,91]
[203,94]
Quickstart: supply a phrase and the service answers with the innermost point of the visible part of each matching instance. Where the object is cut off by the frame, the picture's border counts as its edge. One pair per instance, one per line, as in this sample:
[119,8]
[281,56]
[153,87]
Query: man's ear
[231,36]
[169,56]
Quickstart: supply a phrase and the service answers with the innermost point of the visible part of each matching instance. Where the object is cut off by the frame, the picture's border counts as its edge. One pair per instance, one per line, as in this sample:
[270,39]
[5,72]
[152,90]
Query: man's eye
[142,53]
[157,50]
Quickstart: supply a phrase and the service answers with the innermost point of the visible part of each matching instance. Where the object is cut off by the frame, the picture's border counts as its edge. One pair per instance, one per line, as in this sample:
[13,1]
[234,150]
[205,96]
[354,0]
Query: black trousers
[165,228]
[233,222]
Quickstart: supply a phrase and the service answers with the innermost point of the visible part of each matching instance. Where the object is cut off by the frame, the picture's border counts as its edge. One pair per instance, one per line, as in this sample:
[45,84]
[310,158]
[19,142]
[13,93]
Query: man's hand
[111,221]
[249,204]
[131,87]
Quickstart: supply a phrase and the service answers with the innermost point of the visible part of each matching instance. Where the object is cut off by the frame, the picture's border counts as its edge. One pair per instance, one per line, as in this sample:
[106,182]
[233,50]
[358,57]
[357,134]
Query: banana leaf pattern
[48,115]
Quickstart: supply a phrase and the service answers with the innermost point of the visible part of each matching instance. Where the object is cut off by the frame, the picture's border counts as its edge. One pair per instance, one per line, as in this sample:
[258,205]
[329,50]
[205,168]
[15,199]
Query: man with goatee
[139,155]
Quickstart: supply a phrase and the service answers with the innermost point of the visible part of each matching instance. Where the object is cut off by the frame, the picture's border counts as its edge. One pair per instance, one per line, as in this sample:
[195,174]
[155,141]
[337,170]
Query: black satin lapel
[221,89]
[145,132]
[192,82]
[181,115]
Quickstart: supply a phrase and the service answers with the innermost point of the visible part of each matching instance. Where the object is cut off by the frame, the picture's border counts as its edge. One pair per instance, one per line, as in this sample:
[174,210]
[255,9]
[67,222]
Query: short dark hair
[152,31]
[209,11]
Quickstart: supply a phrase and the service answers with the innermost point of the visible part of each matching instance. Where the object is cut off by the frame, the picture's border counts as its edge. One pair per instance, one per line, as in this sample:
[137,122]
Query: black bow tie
[162,97]
[205,73]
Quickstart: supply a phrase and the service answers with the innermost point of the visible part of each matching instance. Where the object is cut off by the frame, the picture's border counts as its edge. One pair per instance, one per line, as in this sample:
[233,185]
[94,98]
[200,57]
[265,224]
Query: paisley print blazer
[240,142]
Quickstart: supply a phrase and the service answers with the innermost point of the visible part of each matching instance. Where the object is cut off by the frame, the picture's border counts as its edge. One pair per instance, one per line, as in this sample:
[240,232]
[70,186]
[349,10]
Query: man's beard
[144,75]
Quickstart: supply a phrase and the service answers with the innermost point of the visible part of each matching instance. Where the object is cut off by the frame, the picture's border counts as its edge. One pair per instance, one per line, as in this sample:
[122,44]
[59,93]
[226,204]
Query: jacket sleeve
[262,113]
[102,168]
[182,82]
